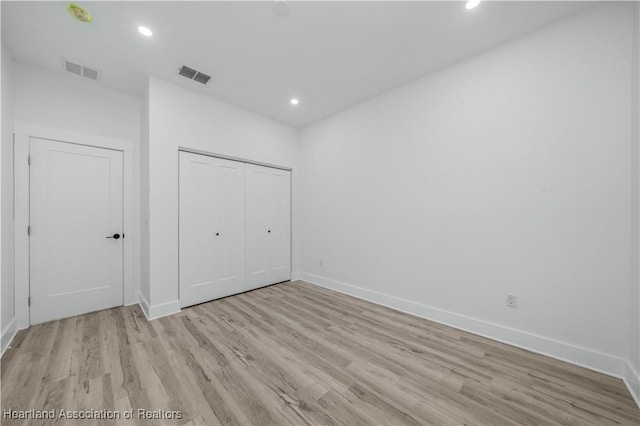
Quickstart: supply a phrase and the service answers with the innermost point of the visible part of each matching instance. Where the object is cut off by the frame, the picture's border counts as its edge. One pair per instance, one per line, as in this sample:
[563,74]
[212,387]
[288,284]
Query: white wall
[61,101]
[7,324]
[506,173]
[145,289]
[179,117]
[634,293]
[66,102]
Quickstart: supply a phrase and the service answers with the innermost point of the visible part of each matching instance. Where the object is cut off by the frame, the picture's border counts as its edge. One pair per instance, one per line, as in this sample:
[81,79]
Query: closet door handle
[217,234]
[114,236]
[269,231]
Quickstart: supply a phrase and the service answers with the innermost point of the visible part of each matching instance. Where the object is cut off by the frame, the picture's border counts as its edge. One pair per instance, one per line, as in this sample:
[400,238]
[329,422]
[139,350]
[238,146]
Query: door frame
[230,158]
[23,132]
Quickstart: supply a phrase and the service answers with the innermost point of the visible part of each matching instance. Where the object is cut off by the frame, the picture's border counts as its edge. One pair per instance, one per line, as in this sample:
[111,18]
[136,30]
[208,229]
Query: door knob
[269,231]
[114,236]
[217,234]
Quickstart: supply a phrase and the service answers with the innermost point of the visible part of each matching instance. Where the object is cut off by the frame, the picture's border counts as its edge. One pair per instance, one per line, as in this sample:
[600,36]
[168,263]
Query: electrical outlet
[512,300]
[321,263]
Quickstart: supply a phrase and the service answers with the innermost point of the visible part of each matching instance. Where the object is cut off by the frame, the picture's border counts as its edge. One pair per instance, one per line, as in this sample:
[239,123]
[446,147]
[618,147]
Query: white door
[211,228]
[268,226]
[279,232]
[75,215]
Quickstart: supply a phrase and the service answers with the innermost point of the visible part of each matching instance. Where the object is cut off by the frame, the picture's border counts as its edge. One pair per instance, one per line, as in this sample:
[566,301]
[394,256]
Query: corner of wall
[145,291]
[8,333]
[8,322]
[152,312]
[144,305]
[631,376]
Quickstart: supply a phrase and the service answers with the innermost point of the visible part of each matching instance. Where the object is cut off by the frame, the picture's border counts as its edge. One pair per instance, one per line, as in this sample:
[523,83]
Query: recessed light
[145,31]
[294,101]
[471,4]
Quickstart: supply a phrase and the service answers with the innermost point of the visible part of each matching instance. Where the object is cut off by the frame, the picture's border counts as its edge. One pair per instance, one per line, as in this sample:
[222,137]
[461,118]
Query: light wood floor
[297,354]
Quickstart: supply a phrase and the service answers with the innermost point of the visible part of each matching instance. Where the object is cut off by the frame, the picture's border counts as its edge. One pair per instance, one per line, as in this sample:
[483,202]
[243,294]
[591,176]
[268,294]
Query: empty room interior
[320,213]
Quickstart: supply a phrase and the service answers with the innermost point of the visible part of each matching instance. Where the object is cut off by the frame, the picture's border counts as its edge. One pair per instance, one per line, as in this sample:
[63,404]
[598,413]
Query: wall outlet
[512,300]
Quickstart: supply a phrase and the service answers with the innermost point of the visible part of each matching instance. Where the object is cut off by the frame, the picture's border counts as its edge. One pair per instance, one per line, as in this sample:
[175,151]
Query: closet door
[211,228]
[268,226]
[279,237]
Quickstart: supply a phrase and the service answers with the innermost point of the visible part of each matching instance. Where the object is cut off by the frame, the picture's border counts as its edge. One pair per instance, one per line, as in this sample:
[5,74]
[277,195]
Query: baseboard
[8,334]
[632,380]
[295,276]
[158,311]
[144,305]
[583,357]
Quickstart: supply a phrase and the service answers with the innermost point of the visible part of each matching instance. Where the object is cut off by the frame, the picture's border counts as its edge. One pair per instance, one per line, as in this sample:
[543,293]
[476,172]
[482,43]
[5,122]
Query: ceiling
[330,55]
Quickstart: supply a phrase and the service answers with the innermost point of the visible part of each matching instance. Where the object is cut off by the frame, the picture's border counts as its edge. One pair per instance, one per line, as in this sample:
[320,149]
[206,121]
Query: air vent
[194,75]
[80,70]
[187,72]
[202,78]
[89,73]
[73,68]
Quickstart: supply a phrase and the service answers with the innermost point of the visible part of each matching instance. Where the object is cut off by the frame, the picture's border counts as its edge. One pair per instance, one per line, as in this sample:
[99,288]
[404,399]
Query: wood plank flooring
[298,354]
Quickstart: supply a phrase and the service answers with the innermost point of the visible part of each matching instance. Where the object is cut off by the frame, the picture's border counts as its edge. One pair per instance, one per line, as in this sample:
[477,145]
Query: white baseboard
[8,334]
[144,305]
[632,380]
[158,311]
[583,357]
[295,276]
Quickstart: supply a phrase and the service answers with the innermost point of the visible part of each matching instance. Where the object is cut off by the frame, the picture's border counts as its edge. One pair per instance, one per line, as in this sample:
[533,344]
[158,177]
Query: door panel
[234,227]
[268,216]
[230,211]
[280,225]
[75,202]
[211,228]
[197,228]
[257,226]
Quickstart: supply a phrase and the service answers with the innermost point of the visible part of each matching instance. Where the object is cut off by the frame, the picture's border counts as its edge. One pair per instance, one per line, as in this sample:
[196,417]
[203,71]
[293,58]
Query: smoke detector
[194,75]
[81,70]
[280,8]
[79,13]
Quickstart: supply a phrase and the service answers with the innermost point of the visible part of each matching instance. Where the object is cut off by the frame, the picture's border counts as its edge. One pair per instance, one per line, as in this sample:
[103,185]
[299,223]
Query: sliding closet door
[211,228]
[268,226]
[279,239]
[257,226]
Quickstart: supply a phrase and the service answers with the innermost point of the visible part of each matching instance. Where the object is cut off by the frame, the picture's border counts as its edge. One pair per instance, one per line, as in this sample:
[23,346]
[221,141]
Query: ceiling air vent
[89,73]
[202,78]
[187,72]
[80,70]
[194,75]
[73,68]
